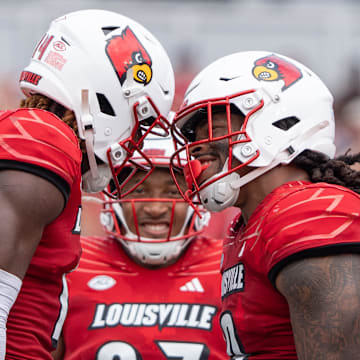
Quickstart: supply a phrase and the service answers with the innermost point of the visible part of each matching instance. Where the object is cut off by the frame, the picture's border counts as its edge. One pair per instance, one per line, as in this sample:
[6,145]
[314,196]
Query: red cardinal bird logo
[274,68]
[125,51]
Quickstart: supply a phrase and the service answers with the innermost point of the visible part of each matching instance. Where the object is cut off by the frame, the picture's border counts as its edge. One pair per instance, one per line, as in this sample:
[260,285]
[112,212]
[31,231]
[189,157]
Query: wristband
[9,289]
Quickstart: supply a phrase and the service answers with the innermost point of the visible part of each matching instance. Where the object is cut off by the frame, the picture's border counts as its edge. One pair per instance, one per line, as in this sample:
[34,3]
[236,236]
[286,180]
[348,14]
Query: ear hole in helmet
[105,106]
[286,123]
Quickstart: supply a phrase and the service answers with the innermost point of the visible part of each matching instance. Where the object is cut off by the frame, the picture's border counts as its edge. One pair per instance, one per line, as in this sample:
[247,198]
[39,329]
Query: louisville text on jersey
[232,280]
[198,316]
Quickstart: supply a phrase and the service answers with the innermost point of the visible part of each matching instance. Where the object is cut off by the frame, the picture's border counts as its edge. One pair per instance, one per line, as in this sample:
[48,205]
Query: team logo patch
[101,282]
[274,68]
[125,51]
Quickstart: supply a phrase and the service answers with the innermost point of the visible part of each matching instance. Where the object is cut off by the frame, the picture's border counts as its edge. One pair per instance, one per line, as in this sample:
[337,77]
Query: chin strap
[98,176]
[243,180]
[88,130]
[10,286]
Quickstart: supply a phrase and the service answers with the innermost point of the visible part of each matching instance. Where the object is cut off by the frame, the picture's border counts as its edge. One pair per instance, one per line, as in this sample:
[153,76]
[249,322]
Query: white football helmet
[151,251]
[286,109]
[115,76]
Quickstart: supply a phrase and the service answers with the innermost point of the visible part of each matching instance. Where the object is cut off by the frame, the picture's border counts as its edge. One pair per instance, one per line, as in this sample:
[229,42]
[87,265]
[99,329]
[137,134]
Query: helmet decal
[125,51]
[59,46]
[30,77]
[42,46]
[274,68]
[55,60]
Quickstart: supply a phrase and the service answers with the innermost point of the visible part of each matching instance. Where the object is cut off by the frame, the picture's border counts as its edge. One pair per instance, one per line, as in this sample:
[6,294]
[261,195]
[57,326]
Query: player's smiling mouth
[155,229]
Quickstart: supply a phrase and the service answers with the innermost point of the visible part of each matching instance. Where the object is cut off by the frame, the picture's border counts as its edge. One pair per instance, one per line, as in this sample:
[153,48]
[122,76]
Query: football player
[106,78]
[258,130]
[151,288]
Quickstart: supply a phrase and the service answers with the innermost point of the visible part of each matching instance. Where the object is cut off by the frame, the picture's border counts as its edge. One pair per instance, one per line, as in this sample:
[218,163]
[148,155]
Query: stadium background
[324,34]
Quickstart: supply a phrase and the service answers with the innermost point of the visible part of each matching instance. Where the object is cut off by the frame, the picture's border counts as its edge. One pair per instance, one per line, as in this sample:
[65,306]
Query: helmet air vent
[109,29]
[105,106]
[65,41]
[286,123]
[228,79]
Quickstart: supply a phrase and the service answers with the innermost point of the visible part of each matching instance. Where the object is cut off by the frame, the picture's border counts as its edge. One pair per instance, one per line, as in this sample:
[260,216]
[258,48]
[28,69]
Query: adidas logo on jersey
[193,285]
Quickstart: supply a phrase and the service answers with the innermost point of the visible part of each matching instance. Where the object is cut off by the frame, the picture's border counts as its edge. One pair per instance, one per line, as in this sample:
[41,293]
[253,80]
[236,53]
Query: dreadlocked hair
[44,103]
[321,168]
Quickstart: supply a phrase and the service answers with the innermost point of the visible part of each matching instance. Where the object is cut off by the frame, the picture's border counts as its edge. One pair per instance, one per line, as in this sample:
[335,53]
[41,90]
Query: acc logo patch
[101,282]
[125,51]
[274,68]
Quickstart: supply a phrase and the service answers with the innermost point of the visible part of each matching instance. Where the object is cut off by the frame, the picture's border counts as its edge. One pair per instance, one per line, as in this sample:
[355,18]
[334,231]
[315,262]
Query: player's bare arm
[28,204]
[323,296]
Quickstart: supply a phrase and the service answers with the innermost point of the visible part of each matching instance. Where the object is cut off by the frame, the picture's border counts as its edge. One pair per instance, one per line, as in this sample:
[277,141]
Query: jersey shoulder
[306,200]
[309,218]
[39,138]
[38,123]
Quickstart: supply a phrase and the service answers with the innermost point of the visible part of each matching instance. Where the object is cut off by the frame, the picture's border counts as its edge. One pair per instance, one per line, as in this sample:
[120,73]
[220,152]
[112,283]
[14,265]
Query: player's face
[154,216]
[214,153]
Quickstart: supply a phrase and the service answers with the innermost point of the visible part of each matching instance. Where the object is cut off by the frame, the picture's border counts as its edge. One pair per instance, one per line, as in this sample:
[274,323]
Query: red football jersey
[296,220]
[118,309]
[38,142]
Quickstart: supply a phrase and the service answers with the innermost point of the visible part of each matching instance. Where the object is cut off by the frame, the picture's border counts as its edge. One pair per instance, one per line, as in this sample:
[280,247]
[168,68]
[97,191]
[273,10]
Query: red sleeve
[37,141]
[314,221]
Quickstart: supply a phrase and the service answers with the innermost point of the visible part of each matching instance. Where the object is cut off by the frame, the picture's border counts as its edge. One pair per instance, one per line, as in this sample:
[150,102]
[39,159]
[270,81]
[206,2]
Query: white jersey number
[234,347]
[118,350]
